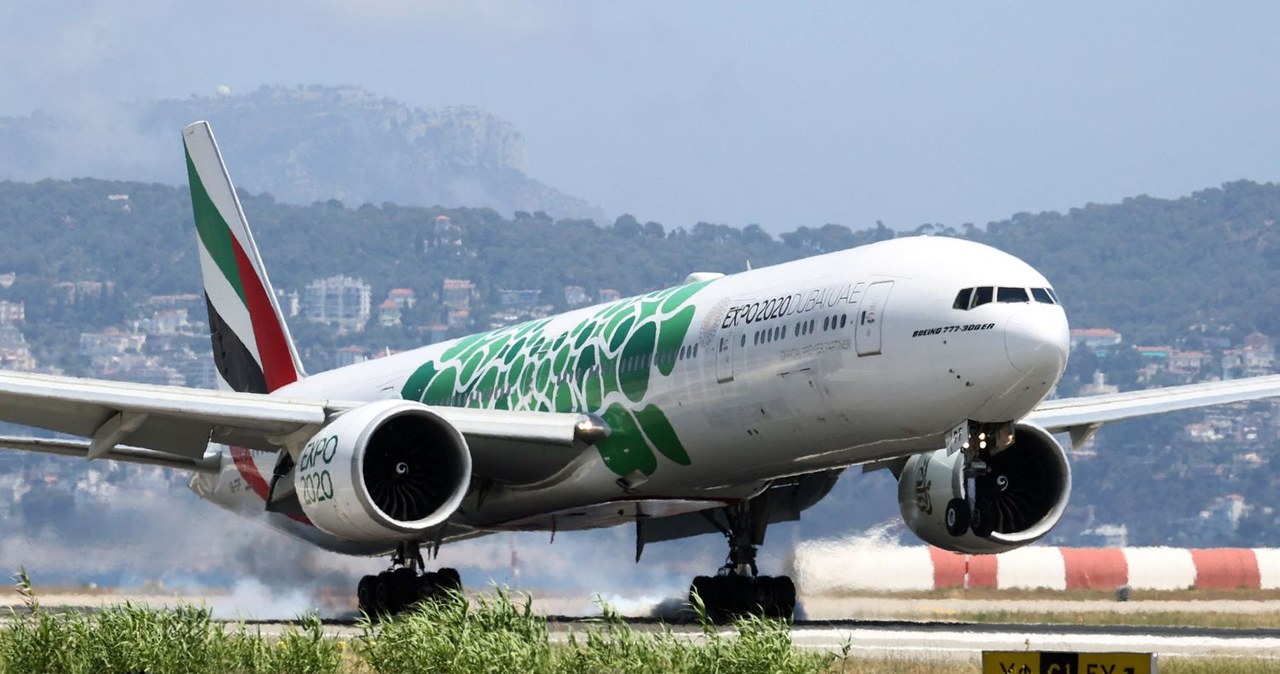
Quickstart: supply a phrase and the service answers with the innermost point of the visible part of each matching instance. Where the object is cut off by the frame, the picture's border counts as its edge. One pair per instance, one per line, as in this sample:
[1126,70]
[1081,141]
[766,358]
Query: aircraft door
[870,318]
[724,356]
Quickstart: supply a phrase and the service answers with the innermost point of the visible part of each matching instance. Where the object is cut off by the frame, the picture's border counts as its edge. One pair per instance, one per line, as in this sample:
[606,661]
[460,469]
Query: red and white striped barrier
[825,567]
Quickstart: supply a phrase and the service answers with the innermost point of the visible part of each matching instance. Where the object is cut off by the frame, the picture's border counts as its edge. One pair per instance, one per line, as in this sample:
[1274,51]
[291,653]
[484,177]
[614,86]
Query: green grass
[491,634]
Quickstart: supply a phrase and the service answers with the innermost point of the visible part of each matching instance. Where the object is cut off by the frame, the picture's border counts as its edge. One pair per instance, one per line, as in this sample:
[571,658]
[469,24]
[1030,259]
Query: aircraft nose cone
[1037,341]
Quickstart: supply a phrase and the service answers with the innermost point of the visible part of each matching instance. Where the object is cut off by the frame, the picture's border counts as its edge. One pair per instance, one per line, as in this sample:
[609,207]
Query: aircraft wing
[172,425]
[1082,416]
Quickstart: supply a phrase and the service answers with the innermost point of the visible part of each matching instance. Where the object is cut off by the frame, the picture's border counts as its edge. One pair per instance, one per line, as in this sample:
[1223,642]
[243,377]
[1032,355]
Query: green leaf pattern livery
[602,365]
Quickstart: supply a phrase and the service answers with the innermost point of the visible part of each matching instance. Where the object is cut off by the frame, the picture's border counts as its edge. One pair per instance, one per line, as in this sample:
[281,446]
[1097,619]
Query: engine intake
[1022,496]
[383,471]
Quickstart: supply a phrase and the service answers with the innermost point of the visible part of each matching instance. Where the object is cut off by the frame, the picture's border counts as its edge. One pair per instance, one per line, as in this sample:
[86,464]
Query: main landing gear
[738,589]
[405,584]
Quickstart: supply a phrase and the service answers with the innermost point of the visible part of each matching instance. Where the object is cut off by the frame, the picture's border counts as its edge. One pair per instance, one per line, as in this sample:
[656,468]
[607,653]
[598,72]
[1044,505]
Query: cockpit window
[1042,295]
[983,295]
[962,299]
[1011,295]
[1054,294]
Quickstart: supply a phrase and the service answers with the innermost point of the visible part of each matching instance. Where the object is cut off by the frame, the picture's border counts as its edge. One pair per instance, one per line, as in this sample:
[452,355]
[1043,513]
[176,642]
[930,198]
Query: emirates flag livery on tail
[717,406]
[251,345]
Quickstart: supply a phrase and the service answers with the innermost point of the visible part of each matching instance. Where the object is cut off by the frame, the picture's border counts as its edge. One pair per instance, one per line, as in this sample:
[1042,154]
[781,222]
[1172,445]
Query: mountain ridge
[301,144]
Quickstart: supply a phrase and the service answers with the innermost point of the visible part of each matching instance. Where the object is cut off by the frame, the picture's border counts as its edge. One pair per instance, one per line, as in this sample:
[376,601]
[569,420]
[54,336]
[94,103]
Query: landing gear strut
[738,589]
[405,584]
[979,442]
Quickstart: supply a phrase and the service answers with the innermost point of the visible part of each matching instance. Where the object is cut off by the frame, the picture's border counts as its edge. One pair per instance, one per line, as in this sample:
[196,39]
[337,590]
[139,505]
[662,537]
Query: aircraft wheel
[449,580]
[958,516]
[782,597]
[365,598]
[984,519]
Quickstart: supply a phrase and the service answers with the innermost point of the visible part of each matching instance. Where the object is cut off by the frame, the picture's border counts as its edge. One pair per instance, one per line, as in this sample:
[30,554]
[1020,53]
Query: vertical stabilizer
[252,349]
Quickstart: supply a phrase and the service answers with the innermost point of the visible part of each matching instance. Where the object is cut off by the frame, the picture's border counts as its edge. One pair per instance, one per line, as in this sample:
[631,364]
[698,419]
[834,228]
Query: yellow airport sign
[1048,662]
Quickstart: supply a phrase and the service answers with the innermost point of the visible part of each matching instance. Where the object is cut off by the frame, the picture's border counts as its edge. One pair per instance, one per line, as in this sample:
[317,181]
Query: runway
[968,640]
[958,641]
[926,633]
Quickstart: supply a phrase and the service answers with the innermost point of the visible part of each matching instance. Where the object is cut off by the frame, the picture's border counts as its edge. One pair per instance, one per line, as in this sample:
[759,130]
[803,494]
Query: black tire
[449,580]
[984,519]
[739,597]
[365,599]
[708,592]
[958,517]
[428,586]
[385,598]
[781,594]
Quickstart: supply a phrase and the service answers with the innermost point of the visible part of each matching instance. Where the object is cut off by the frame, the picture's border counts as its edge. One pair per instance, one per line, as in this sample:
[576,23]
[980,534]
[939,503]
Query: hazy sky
[783,114]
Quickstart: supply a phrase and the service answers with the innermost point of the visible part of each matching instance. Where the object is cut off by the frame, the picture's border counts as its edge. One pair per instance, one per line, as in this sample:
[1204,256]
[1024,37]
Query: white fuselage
[821,363]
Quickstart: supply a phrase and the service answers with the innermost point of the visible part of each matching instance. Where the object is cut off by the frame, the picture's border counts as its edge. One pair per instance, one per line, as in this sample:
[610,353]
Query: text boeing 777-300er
[721,405]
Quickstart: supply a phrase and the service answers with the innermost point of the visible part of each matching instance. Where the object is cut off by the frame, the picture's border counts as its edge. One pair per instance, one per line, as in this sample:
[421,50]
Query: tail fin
[252,348]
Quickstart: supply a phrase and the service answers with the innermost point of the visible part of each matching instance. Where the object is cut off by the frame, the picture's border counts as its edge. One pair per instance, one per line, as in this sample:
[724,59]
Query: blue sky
[782,114]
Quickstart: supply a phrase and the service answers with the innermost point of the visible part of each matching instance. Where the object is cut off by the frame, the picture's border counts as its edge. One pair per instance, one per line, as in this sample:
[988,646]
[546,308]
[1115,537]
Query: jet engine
[388,470]
[1017,500]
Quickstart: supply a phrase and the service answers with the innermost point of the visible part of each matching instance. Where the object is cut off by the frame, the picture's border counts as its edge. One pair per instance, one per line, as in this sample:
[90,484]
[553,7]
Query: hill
[1199,272]
[302,144]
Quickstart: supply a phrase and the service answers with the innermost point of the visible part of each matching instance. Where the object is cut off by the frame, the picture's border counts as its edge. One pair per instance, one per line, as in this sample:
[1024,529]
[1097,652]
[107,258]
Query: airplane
[721,405]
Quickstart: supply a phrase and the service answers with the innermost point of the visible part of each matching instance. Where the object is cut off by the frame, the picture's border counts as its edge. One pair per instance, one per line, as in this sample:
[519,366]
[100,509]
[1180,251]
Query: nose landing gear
[406,583]
[975,509]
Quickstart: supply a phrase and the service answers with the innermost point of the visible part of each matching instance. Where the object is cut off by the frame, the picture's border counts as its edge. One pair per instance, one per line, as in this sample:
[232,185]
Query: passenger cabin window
[1012,295]
[962,299]
[983,295]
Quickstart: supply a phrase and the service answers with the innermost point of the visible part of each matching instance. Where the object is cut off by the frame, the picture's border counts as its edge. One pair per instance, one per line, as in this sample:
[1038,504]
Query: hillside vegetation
[1151,268]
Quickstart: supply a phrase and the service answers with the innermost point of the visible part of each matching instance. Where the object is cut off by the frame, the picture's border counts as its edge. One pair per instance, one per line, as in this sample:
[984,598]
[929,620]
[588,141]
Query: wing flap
[179,421]
[80,448]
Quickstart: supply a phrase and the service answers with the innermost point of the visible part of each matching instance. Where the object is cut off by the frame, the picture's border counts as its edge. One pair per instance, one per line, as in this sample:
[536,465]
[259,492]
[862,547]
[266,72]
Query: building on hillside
[455,293]
[289,301]
[443,233]
[609,295]
[1099,386]
[1105,536]
[15,354]
[81,291]
[404,298]
[1202,431]
[459,319]
[339,300]
[1096,339]
[575,296]
[350,355]
[389,314]
[525,297]
[165,322]
[12,312]
[1258,355]
[1158,354]
[1188,362]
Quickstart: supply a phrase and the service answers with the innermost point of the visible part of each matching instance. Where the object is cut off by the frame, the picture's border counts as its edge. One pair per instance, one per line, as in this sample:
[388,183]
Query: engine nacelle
[385,471]
[1023,495]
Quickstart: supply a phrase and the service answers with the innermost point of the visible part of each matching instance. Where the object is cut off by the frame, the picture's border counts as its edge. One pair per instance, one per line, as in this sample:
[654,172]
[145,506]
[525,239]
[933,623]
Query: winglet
[252,348]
